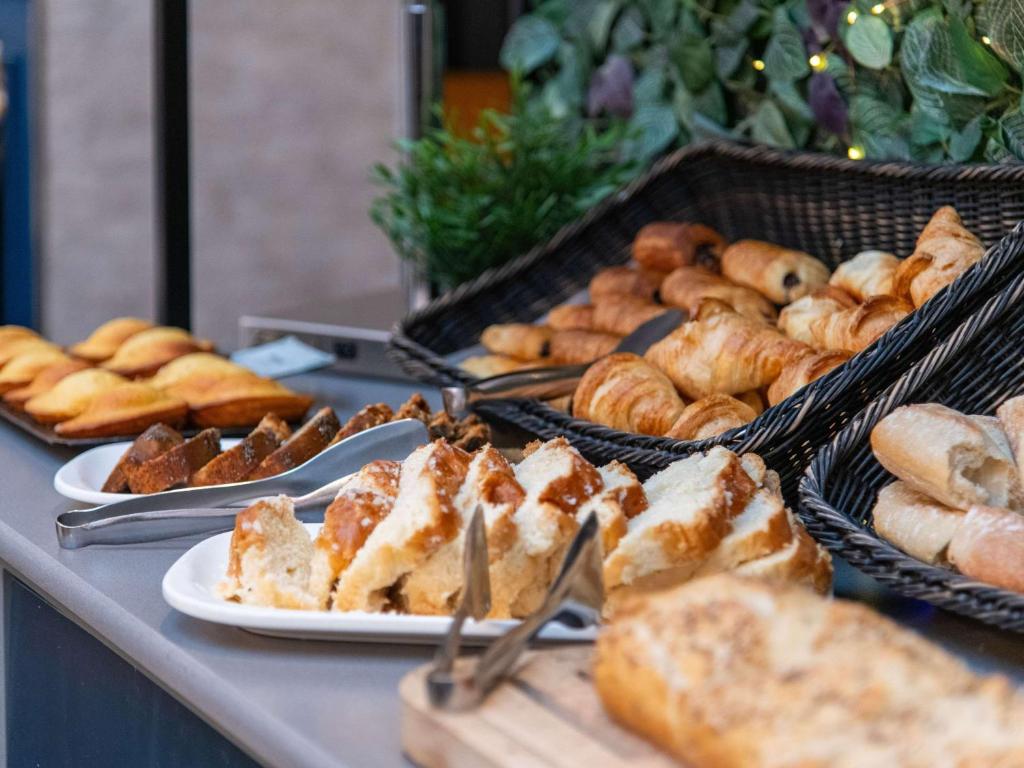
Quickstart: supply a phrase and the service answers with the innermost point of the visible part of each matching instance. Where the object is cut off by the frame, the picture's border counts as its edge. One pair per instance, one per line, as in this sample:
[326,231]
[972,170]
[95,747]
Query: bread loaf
[989,546]
[915,523]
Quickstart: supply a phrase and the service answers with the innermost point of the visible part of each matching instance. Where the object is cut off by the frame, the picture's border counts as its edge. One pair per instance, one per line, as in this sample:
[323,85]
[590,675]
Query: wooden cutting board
[547,715]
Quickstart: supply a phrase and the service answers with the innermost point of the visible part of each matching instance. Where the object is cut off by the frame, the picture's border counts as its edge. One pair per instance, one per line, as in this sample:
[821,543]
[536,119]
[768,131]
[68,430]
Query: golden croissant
[625,392]
[945,250]
[691,288]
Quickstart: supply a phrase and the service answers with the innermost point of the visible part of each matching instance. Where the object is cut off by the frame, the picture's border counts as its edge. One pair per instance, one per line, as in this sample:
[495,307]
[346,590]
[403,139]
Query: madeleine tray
[189,586]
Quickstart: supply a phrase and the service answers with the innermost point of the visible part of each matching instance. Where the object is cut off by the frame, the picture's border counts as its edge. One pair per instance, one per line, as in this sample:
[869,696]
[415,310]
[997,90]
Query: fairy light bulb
[758,65]
[855,153]
[878,9]
[818,62]
[851,17]
[986,40]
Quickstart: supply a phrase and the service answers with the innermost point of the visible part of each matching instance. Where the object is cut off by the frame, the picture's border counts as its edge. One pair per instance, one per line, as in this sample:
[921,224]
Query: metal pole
[171,145]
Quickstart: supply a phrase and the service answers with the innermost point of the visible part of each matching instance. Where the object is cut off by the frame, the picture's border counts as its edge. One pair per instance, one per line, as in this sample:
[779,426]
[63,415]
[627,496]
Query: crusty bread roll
[945,250]
[724,354]
[944,454]
[520,340]
[915,523]
[869,273]
[798,319]
[269,558]
[802,371]
[572,317]
[1011,417]
[665,245]
[690,288]
[623,391]
[725,672]
[781,274]
[105,340]
[710,416]
[989,546]
[856,328]
[624,280]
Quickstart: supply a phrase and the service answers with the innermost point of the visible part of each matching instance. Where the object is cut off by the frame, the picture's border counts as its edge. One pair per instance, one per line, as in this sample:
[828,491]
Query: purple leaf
[611,88]
[825,16]
[826,103]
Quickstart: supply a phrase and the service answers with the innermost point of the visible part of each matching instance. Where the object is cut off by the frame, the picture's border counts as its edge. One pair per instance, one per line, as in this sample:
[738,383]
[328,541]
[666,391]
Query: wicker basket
[828,206]
[980,366]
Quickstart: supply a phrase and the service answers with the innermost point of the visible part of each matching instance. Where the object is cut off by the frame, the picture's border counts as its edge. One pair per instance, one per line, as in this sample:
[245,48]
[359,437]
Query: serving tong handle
[578,590]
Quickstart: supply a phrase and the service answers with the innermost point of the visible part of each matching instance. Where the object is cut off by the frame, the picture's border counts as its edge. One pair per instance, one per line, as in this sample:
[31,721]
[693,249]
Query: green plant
[457,206]
[925,80]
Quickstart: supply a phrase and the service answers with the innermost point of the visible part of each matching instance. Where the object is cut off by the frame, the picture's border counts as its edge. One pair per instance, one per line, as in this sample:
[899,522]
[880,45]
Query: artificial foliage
[921,80]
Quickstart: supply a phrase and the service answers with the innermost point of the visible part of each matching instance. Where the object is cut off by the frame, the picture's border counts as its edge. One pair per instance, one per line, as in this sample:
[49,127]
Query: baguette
[915,523]
[1011,417]
[989,546]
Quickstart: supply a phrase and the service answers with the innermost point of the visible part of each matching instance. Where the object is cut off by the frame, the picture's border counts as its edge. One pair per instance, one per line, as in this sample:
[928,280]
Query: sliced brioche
[71,395]
[126,409]
[238,462]
[725,672]
[105,340]
[270,556]
[176,466]
[917,524]
[622,497]
[365,500]
[435,586]
[763,527]
[989,546]
[423,520]
[307,442]
[155,441]
[802,561]
[953,458]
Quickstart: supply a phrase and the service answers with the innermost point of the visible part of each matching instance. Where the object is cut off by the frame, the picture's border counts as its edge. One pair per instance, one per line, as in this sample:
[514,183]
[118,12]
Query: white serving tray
[189,586]
[82,478]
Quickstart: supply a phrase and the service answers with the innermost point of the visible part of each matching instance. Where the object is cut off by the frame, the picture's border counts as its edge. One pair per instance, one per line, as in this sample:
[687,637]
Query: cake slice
[269,557]
[691,506]
[176,466]
[435,586]
[307,442]
[370,416]
[237,463]
[365,500]
[422,520]
[155,441]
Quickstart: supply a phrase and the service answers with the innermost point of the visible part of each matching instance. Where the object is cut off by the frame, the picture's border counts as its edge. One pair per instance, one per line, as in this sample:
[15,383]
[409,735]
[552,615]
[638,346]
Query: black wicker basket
[976,369]
[828,206]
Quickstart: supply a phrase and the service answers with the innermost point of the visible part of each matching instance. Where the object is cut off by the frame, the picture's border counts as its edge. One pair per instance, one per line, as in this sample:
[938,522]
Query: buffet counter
[280,702]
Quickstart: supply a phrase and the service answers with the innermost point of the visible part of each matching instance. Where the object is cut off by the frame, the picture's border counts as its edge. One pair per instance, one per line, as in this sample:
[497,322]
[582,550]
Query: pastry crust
[989,546]
[624,281]
[71,395]
[869,273]
[126,409]
[917,524]
[665,245]
[802,371]
[781,274]
[692,288]
[144,353]
[710,416]
[519,340]
[623,391]
[572,347]
[945,250]
[44,381]
[105,340]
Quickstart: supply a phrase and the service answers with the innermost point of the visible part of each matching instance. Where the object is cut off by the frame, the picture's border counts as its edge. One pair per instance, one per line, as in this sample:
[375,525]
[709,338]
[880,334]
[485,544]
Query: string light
[851,17]
[758,65]
[855,153]
[986,40]
[878,9]
[818,62]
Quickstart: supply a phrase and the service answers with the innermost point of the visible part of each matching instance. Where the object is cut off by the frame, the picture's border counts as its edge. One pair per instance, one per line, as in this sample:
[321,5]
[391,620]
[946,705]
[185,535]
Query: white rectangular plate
[189,586]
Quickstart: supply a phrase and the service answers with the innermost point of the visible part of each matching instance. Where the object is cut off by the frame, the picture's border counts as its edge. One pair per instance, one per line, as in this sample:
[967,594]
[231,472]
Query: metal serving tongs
[553,381]
[576,594]
[208,510]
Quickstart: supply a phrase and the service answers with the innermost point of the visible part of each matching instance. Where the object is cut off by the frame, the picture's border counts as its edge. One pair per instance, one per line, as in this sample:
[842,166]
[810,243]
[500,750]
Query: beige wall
[291,103]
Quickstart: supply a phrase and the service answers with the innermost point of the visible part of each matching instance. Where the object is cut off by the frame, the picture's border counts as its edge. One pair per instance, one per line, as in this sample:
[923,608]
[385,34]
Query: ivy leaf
[785,57]
[869,41]
[652,129]
[734,26]
[628,31]
[996,151]
[963,143]
[1003,22]
[769,126]
[924,129]
[600,24]
[611,88]
[981,69]
[791,101]
[880,147]
[711,103]
[531,42]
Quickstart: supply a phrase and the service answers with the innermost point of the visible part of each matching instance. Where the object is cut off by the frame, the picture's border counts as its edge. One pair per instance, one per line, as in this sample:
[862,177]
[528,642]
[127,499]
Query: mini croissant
[105,340]
[796,320]
[622,391]
[690,287]
[126,409]
[519,340]
[664,246]
[616,281]
[781,274]
[725,354]
[711,416]
[145,353]
[802,371]
[869,273]
[945,250]
[856,328]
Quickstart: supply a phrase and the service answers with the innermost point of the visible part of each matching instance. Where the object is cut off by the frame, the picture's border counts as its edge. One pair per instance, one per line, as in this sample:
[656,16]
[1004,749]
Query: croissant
[614,281]
[485,366]
[724,354]
[520,340]
[572,317]
[869,273]
[624,392]
[854,329]
[753,399]
[711,416]
[71,395]
[945,250]
[781,274]
[145,353]
[104,341]
[574,347]
[239,400]
[126,409]
[21,370]
[623,314]
[44,381]
[796,319]
[665,245]
[689,287]
[803,371]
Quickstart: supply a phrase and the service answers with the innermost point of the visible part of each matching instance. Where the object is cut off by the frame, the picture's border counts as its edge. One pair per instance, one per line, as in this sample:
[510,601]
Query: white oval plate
[189,586]
[82,478]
